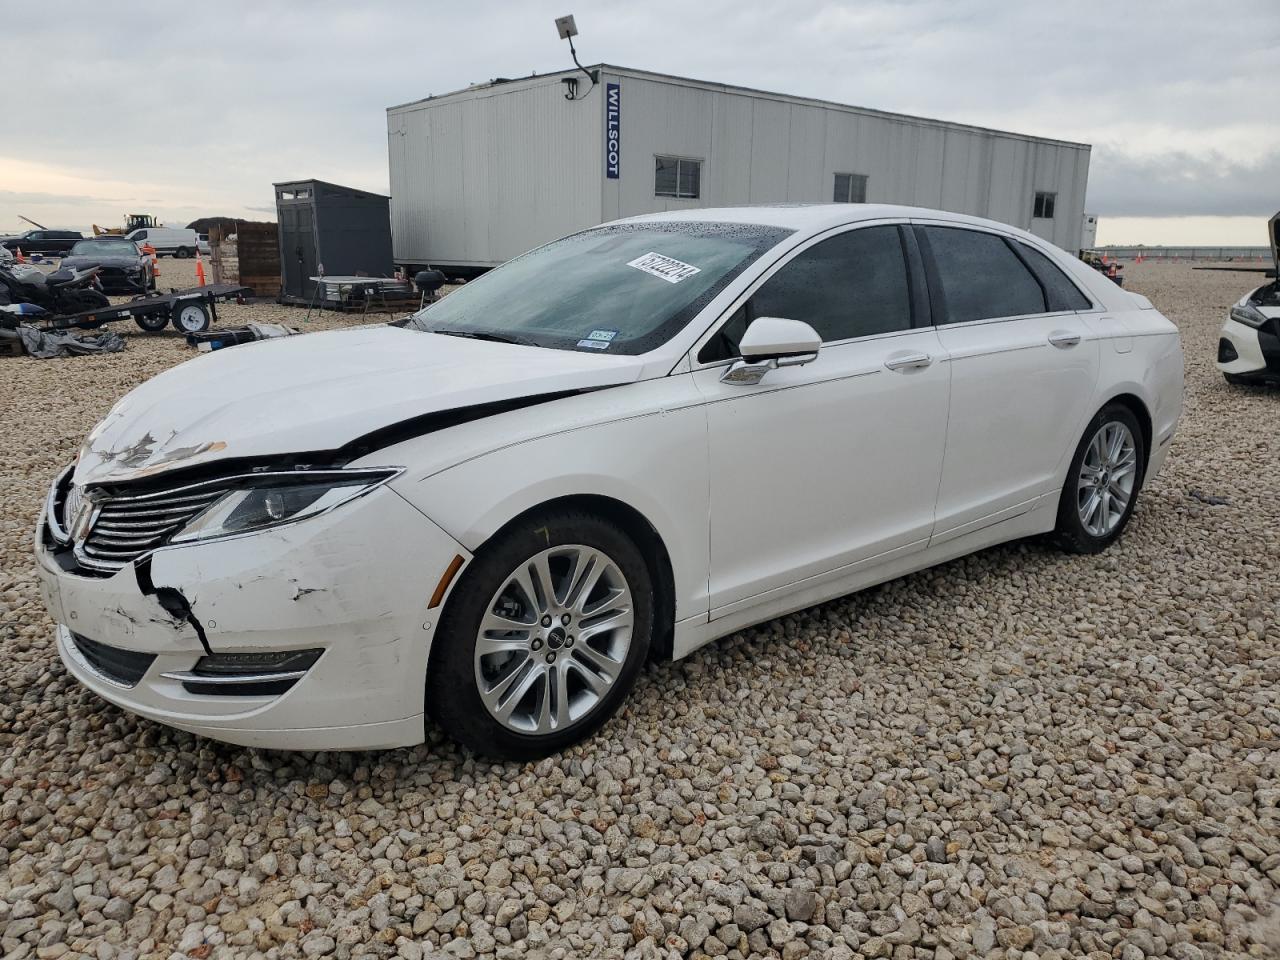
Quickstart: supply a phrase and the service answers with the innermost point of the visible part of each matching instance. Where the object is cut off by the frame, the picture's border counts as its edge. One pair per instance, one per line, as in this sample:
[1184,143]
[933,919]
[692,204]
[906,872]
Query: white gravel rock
[1017,755]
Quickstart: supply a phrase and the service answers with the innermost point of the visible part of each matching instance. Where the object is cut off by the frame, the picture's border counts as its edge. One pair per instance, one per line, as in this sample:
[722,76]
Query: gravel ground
[1019,754]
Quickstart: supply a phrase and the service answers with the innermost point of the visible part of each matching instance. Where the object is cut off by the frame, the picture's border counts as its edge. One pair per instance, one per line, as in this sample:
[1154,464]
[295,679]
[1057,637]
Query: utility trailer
[189,311]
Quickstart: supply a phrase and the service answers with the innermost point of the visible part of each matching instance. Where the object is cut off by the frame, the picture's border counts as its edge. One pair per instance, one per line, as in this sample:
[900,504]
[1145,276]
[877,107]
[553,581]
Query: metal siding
[480,176]
[483,176]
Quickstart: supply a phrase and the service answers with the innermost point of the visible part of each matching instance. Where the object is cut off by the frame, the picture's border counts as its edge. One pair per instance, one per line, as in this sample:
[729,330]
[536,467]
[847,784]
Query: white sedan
[622,445]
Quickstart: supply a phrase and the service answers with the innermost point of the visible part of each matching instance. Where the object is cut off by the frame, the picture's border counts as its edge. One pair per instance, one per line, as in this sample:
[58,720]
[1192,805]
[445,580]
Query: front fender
[655,462]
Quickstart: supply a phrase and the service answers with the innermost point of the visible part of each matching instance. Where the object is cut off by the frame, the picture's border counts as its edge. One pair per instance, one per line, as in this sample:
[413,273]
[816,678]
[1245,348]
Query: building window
[677,177]
[1043,209]
[850,188]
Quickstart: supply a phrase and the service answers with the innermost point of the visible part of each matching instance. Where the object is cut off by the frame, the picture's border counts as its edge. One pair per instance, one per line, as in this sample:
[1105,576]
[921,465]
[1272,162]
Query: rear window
[980,277]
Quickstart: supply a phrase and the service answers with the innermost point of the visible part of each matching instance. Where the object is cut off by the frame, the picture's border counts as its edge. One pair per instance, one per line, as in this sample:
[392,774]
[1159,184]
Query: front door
[833,464]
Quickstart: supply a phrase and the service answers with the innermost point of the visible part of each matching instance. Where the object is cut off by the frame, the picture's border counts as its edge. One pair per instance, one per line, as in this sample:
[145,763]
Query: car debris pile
[216,340]
[17,339]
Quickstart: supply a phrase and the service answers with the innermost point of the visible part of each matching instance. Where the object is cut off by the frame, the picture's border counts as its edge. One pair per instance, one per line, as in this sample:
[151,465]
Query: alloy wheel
[1108,473]
[554,639]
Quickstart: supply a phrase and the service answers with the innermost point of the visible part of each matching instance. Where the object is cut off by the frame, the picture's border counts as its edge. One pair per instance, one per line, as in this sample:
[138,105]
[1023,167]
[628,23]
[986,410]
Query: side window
[981,278]
[1061,293]
[852,285]
[140,235]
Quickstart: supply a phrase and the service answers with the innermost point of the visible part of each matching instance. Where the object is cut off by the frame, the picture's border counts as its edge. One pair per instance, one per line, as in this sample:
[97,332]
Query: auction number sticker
[664,268]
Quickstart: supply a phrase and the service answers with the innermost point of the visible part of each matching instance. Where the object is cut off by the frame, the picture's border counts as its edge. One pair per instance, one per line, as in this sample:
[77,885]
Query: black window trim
[915,283]
[937,300]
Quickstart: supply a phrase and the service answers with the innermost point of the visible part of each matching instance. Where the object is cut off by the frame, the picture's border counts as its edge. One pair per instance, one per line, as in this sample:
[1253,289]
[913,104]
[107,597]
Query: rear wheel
[543,637]
[182,253]
[191,318]
[77,301]
[1103,482]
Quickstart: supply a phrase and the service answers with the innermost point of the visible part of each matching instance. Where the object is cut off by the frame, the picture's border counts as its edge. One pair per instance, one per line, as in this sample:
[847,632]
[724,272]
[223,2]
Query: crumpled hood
[319,392]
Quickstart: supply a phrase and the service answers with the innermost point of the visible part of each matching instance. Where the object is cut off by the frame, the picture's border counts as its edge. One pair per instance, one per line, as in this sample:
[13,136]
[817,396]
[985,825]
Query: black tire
[1235,379]
[77,301]
[191,318]
[152,323]
[1070,533]
[452,694]
[182,253]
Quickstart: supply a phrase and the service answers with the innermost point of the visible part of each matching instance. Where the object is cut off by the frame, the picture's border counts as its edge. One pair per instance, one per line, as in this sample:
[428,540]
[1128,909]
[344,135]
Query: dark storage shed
[331,230]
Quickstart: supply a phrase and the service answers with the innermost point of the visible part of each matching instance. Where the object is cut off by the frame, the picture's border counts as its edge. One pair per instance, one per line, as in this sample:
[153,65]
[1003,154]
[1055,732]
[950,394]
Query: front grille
[128,527]
[125,667]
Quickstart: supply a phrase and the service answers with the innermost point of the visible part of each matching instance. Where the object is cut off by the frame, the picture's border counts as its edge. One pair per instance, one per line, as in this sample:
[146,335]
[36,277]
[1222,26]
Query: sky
[196,109]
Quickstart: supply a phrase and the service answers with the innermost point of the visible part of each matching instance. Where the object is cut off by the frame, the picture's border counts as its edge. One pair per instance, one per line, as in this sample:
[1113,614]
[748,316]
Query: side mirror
[769,343]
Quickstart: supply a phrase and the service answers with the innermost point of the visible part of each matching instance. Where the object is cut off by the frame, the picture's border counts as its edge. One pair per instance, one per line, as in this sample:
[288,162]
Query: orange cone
[18,255]
[199,271]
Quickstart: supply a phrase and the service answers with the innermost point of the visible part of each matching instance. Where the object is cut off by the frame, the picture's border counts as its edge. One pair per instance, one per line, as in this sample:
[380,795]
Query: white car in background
[1249,344]
[624,444]
[180,242]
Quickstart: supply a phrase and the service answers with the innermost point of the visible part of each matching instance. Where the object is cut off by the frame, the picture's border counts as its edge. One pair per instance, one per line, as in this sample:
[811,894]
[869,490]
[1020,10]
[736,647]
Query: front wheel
[152,323]
[543,637]
[1102,483]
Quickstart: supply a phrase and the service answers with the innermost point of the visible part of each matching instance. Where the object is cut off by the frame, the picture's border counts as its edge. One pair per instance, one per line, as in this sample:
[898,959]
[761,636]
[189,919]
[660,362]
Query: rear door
[834,464]
[1024,366]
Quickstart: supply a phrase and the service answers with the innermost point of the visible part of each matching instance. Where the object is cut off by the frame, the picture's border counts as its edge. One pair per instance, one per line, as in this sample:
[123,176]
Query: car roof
[815,217]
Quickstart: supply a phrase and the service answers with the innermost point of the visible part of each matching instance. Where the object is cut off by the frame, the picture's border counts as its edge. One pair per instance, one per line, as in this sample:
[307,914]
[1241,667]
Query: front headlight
[274,499]
[1248,314]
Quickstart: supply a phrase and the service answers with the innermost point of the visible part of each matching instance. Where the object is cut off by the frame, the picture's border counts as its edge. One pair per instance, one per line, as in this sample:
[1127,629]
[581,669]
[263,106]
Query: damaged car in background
[1249,343]
[122,266]
[622,445]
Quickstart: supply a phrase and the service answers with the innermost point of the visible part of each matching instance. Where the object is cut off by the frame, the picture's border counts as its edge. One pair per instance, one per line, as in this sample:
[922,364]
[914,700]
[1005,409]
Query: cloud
[268,95]
[1183,184]
[42,197]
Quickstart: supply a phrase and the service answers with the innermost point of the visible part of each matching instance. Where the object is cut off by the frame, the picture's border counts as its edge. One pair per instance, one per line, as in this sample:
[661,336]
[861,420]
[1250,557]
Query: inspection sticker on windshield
[664,268]
[594,344]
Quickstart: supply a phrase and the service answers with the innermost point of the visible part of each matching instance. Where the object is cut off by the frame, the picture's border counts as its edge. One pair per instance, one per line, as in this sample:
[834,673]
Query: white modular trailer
[483,174]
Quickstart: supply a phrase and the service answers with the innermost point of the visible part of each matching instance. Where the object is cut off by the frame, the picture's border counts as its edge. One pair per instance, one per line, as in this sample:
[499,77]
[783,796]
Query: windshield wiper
[490,335]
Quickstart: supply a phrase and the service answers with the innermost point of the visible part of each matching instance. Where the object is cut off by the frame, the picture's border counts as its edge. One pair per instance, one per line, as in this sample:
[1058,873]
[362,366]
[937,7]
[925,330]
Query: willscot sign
[612,129]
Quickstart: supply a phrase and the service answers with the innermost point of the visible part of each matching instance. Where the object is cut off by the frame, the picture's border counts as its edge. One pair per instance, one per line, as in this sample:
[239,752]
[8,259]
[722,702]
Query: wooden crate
[250,256]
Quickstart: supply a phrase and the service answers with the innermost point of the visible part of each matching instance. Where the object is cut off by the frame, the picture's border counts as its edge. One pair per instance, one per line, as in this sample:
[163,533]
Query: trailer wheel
[153,323]
[181,253]
[191,318]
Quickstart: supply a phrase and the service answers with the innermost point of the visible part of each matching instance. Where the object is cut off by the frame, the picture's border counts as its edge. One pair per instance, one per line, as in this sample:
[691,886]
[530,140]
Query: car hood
[82,261]
[319,392]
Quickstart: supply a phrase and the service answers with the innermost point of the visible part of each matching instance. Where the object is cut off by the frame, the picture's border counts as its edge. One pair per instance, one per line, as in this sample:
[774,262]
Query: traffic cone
[199,271]
[18,255]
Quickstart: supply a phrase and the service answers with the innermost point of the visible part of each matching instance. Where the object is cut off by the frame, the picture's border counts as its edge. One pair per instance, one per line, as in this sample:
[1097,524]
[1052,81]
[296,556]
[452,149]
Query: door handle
[1064,338]
[908,361]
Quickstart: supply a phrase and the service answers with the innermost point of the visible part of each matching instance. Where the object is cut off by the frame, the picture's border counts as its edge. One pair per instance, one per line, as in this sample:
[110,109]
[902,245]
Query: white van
[175,240]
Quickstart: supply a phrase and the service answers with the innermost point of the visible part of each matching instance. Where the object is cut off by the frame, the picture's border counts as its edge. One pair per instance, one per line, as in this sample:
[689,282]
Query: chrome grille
[125,528]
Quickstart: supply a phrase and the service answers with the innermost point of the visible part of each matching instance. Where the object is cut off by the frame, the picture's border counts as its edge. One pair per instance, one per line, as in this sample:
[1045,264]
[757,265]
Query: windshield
[624,288]
[104,248]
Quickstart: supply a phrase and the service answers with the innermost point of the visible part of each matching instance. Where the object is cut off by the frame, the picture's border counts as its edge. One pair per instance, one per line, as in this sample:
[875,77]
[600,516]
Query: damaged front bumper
[310,636]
